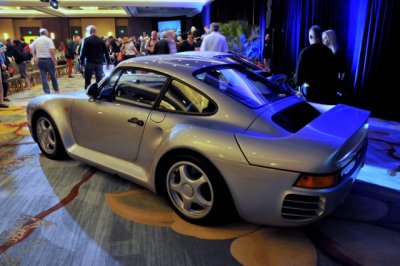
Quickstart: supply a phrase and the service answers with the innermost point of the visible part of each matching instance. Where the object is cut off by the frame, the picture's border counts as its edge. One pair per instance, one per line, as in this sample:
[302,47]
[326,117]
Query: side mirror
[92,91]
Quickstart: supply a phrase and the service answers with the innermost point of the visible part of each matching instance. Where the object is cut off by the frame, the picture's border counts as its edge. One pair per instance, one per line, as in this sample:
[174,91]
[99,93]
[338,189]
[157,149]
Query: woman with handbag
[128,49]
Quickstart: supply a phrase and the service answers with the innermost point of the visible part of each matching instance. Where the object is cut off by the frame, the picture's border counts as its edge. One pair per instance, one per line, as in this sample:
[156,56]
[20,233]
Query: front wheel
[196,190]
[48,138]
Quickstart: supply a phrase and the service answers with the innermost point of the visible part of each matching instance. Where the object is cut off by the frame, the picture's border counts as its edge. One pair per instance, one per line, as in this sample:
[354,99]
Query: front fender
[59,110]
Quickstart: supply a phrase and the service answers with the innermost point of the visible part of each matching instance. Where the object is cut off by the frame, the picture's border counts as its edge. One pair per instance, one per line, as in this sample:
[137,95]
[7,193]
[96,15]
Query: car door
[114,123]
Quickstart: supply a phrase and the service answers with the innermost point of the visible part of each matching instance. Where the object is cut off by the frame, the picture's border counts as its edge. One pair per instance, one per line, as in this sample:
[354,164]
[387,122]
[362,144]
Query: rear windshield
[243,85]
[238,60]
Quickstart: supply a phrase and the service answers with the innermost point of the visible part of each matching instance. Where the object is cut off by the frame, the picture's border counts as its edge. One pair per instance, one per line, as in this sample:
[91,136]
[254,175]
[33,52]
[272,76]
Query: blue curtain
[262,25]
[377,47]
[298,16]
[366,30]
[205,13]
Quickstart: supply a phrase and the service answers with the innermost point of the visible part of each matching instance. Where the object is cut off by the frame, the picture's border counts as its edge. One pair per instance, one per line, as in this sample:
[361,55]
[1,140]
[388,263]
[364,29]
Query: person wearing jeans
[92,56]
[47,65]
[43,52]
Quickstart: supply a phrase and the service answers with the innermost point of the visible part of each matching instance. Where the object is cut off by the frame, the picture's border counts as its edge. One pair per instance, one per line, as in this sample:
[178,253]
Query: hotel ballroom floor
[67,213]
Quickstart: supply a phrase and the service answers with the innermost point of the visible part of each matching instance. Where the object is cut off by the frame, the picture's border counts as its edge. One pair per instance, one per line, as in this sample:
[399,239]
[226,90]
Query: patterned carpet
[67,213]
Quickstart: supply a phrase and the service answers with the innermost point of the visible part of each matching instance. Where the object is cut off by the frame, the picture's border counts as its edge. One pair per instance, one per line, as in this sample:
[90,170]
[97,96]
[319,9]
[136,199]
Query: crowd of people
[319,66]
[20,52]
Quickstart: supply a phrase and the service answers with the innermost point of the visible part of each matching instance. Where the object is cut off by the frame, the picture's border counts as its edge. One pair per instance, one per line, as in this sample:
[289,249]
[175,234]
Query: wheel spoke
[41,127]
[198,182]
[183,172]
[200,200]
[187,203]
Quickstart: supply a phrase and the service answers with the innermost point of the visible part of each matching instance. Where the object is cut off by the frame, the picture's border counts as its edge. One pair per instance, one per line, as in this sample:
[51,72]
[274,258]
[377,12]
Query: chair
[15,83]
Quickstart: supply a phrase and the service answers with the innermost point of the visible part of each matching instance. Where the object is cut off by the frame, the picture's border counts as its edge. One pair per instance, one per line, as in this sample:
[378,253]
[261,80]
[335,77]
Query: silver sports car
[213,137]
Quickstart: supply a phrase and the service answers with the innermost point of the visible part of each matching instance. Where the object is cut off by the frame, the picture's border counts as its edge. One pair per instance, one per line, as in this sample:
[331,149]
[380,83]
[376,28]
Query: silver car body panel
[337,143]
[259,160]
[258,196]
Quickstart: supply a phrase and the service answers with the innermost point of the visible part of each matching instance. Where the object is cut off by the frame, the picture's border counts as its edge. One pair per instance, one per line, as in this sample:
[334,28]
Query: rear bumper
[267,196]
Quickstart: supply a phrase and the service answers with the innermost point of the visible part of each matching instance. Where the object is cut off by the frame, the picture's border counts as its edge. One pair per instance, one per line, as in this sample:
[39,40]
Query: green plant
[242,37]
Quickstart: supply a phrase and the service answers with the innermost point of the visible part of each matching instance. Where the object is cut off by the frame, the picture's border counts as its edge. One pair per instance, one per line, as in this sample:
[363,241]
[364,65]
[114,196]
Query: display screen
[170,25]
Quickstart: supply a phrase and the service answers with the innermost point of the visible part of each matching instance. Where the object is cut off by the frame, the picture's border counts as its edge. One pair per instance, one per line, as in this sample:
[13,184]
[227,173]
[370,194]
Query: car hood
[324,145]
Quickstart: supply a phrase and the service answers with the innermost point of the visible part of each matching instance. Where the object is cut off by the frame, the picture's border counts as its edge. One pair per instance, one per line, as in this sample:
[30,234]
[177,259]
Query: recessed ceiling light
[54,4]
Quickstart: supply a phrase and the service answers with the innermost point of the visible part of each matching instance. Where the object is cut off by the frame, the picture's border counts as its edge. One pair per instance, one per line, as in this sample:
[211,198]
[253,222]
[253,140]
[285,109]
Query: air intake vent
[302,207]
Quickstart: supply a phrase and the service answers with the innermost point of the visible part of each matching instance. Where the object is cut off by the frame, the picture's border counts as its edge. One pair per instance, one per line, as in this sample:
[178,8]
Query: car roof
[221,56]
[205,54]
[174,64]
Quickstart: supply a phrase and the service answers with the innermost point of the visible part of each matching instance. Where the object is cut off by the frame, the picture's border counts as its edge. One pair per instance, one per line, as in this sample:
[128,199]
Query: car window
[106,88]
[140,87]
[242,85]
[241,61]
[182,98]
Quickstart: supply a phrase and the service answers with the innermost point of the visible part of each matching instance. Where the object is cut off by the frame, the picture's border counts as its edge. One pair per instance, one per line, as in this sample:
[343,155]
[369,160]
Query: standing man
[93,54]
[315,71]
[267,53]
[162,46]
[188,43]
[214,41]
[43,52]
[151,42]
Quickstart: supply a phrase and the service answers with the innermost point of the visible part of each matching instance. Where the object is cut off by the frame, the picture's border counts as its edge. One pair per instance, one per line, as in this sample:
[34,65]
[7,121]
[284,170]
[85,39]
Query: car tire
[48,138]
[196,191]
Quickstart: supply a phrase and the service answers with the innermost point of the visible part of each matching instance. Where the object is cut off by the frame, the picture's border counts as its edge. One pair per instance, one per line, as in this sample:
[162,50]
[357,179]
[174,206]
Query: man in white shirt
[43,51]
[214,41]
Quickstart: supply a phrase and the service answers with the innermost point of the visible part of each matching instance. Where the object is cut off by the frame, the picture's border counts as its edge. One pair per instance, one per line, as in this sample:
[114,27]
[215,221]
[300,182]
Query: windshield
[243,85]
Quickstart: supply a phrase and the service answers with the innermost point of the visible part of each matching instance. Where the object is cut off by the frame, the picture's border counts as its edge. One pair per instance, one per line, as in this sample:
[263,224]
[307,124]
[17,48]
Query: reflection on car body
[211,136]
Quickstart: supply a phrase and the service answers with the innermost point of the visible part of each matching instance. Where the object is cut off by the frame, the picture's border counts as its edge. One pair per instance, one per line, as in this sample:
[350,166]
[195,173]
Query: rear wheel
[48,138]
[196,190]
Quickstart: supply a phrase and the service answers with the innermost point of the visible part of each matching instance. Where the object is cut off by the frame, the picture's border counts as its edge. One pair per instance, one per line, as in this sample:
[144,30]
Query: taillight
[316,181]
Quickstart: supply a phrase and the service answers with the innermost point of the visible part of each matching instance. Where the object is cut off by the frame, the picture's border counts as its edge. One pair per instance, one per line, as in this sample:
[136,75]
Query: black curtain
[226,10]
[376,78]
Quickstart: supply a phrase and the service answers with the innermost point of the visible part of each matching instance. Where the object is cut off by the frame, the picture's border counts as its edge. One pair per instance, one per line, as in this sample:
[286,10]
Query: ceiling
[101,8]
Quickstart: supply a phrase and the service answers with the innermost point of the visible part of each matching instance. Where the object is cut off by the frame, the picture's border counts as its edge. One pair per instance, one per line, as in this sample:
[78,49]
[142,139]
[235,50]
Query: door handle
[137,121]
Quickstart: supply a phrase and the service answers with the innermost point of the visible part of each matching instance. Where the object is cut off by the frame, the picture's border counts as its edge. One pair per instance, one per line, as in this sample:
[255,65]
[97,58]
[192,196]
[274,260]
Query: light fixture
[54,4]
[52,35]
[6,36]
